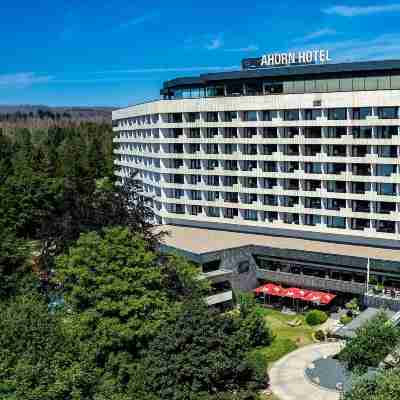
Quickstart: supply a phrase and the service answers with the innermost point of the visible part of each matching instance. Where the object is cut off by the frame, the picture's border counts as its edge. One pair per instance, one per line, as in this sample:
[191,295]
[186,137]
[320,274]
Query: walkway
[287,377]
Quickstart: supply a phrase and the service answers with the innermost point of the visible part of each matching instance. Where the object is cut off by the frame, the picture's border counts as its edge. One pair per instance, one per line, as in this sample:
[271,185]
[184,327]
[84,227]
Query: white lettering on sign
[299,57]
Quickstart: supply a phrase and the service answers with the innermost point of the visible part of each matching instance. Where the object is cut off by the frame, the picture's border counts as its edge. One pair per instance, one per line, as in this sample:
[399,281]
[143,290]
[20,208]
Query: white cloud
[250,47]
[23,79]
[317,34]
[354,11]
[214,44]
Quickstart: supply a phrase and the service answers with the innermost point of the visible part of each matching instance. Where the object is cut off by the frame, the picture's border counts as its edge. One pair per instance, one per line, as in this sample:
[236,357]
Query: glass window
[312,114]
[383,82]
[273,88]
[310,86]
[195,92]
[214,91]
[186,93]
[371,83]
[298,86]
[291,115]
[333,85]
[234,89]
[358,84]
[321,85]
[178,93]
[250,116]
[361,113]
[388,112]
[346,84]
[288,87]
[336,222]
[386,169]
[395,82]
[337,113]
[254,88]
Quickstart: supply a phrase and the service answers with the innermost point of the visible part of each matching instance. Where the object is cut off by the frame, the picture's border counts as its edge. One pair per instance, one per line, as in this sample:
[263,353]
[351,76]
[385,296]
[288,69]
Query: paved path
[287,377]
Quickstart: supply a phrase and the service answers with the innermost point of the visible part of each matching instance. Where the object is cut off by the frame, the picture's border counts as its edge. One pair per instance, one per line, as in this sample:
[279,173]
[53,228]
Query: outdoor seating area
[300,297]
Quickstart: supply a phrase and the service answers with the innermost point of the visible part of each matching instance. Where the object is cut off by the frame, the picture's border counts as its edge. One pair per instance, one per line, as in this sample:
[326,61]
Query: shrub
[316,317]
[320,335]
[345,319]
[372,343]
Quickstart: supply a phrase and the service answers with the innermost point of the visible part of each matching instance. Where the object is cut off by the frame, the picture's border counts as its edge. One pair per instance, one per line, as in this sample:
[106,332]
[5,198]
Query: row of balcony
[335,114]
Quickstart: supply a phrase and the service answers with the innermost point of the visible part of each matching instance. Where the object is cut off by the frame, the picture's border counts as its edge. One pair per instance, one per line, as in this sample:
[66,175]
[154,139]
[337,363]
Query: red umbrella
[295,293]
[327,298]
[314,297]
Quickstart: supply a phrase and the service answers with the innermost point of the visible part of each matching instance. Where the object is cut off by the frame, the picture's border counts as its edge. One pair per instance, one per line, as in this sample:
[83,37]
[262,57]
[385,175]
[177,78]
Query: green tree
[253,329]
[38,360]
[13,253]
[372,343]
[382,386]
[194,357]
[120,290]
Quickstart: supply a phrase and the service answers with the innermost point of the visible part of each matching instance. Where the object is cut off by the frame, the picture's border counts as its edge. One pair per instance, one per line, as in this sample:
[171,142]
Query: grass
[287,338]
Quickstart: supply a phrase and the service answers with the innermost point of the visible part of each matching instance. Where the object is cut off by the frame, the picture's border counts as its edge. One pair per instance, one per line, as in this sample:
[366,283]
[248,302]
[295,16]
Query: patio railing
[311,282]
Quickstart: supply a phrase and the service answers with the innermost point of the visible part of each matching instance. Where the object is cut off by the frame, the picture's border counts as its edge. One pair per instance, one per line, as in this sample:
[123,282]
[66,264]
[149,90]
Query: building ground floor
[241,261]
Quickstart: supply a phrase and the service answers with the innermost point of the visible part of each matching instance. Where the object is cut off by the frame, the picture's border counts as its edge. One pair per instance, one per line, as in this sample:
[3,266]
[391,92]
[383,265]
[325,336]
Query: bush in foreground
[316,317]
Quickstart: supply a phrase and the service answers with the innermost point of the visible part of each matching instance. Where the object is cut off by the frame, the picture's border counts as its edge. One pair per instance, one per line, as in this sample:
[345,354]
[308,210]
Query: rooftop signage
[319,56]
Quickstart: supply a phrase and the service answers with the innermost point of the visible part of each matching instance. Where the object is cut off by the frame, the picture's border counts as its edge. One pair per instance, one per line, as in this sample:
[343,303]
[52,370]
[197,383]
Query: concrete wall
[230,260]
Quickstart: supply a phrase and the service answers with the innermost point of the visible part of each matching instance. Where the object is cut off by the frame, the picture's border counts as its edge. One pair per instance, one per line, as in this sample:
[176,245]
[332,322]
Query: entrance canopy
[296,293]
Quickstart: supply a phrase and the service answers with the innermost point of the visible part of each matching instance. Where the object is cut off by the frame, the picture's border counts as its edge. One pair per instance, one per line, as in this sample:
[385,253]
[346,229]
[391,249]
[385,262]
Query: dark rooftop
[363,68]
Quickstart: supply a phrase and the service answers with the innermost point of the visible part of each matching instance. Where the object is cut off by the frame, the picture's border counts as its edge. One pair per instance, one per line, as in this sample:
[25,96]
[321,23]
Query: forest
[89,307]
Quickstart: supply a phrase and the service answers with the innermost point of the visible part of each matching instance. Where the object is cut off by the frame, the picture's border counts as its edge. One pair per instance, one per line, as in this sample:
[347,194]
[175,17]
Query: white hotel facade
[298,151]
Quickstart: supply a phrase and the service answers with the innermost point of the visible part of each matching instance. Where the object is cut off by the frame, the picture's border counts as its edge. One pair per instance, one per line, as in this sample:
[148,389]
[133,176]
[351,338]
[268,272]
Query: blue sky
[115,53]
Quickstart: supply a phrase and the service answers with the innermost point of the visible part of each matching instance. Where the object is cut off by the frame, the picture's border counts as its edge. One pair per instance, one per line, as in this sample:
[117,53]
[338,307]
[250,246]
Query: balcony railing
[311,282]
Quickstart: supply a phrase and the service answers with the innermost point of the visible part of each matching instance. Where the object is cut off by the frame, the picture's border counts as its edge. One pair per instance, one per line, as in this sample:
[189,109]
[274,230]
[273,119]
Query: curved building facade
[302,151]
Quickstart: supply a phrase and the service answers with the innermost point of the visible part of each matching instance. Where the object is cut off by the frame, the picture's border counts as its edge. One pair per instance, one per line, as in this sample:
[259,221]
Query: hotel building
[285,154]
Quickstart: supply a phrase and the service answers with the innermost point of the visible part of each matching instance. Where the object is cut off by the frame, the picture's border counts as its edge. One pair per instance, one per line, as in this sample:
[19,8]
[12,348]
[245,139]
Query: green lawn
[287,338]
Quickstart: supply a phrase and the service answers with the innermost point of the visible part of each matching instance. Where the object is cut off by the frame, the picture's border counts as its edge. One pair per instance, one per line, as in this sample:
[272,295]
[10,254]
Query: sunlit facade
[300,151]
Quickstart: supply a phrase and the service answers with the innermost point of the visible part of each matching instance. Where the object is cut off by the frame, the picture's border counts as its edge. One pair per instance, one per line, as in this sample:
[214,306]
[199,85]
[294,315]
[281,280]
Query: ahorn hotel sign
[319,56]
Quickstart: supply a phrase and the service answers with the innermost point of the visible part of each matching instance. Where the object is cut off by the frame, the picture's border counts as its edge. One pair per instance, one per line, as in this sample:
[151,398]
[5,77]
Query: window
[212,212]
[193,117]
[250,215]
[386,132]
[250,116]
[230,116]
[386,189]
[273,88]
[361,132]
[386,169]
[361,113]
[234,89]
[298,87]
[312,219]
[358,84]
[371,83]
[215,91]
[254,88]
[336,222]
[346,84]
[268,115]
[243,267]
[291,115]
[212,117]
[388,112]
[333,85]
[312,114]
[230,212]
[337,114]
[196,210]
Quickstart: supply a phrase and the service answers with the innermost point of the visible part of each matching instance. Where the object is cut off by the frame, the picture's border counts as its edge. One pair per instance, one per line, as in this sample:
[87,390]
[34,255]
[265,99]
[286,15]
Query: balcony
[311,282]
